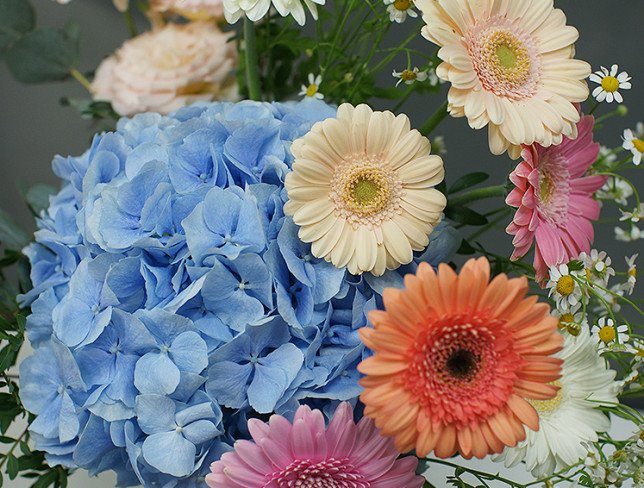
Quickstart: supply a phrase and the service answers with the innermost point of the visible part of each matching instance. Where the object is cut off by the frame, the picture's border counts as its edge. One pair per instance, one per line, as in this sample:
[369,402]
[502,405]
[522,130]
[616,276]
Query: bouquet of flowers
[254,278]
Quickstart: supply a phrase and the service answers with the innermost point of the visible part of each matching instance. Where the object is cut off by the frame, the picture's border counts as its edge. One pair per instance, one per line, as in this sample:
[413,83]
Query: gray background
[34,127]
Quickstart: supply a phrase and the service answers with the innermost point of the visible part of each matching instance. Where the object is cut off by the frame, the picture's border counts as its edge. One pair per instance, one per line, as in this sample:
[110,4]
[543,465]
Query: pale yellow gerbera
[511,66]
[361,190]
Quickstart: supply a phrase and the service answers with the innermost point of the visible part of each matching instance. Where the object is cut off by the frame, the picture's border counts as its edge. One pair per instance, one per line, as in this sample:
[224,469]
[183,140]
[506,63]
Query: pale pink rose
[168,68]
[191,9]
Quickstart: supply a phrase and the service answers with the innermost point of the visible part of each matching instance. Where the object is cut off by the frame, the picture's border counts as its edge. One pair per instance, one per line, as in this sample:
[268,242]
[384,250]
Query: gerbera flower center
[565,285]
[607,333]
[504,58]
[639,145]
[311,90]
[462,364]
[554,188]
[365,191]
[332,473]
[549,406]
[610,84]
[402,5]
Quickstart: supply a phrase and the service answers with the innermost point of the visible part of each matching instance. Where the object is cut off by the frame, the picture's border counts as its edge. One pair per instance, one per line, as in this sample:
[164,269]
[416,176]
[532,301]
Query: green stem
[252,61]
[13,447]
[481,475]
[81,79]
[479,194]
[129,21]
[433,122]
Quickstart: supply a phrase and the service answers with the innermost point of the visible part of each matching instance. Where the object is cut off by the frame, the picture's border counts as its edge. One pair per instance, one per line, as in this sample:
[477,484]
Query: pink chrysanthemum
[306,455]
[554,200]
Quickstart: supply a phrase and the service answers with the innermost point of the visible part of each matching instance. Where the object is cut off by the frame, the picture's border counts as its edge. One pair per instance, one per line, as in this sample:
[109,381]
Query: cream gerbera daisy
[361,190]
[511,67]
[571,418]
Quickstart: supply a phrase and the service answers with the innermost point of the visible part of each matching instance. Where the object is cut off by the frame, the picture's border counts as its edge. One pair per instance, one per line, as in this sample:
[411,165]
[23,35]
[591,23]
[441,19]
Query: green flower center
[506,56]
[365,191]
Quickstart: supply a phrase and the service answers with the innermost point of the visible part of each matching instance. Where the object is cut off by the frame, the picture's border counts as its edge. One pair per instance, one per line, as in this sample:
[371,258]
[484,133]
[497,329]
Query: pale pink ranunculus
[554,200]
[168,68]
[190,9]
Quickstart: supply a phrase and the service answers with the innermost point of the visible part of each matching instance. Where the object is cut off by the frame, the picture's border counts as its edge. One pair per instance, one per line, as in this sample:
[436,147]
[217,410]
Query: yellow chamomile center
[607,333]
[567,323]
[639,145]
[311,90]
[408,75]
[610,84]
[632,272]
[549,406]
[565,285]
[365,191]
[402,5]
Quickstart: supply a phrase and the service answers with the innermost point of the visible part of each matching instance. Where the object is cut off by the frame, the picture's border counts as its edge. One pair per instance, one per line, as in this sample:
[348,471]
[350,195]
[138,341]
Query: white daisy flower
[608,336]
[615,189]
[633,216]
[400,9]
[634,142]
[312,89]
[609,84]
[631,273]
[607,155]
[633,234]
[570,419]
[410,76]
[564,289]
[597,266]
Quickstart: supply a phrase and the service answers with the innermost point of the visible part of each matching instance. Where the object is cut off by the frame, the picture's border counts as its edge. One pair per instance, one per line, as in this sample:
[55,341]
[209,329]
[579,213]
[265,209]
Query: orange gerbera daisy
[456,358]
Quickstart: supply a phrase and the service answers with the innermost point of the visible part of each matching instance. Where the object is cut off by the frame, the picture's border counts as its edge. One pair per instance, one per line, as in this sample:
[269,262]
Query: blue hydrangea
[173,300]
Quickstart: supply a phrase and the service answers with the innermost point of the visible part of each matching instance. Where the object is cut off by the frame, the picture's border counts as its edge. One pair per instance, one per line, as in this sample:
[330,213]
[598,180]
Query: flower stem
[479,194]
[81,79]
[252,68]
[433,122]
[129,21]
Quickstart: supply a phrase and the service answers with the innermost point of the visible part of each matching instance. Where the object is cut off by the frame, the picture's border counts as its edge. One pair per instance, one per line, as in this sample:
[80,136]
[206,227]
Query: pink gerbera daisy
[554,200]
[306,455]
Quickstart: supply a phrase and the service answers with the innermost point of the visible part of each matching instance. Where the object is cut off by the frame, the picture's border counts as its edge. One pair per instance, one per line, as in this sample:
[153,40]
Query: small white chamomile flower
[564,288]
[399,10]
[609,84]
[631,273]
[634,142]
[633,216]
[630,235]
[597,266]
[312,90]
[608,336]
[409,76]
[616,190]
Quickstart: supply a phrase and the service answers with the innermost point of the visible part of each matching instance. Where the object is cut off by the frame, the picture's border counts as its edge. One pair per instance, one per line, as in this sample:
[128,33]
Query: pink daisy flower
[305,454]
[554,200]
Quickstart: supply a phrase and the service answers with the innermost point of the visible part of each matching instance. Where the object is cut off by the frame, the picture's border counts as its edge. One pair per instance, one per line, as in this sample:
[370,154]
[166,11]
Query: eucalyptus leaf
[12,466]
[16,18]
[11,235]
[43,55]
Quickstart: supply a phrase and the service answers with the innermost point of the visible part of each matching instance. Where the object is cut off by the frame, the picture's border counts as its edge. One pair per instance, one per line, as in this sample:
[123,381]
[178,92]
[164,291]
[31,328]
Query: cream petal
[425,169]
[317,148]
[322,247]
[366,249]
[377,133]
[396,243]
[310,233]
[416,231]
[494,108]
[359,127]
[313,171]
[498,143]
[306,193]
[380,266]
[312,211]
[336,133]
[406,148]
[345,247]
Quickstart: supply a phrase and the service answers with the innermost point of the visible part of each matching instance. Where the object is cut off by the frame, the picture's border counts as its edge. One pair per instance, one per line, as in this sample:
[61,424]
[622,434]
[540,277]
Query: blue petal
[200,431]
[155,413]
[227,383]
[170,453]
[189,352]
[156,373]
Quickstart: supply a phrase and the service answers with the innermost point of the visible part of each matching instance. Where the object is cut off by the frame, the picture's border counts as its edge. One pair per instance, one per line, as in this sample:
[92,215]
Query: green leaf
[16,18]
[12,466]
[37,197]
[90,109]
[24,448]
[8,357]
[43,55]
[11,235]
[47,479]
[468,181]
[464,215]
[6,440]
